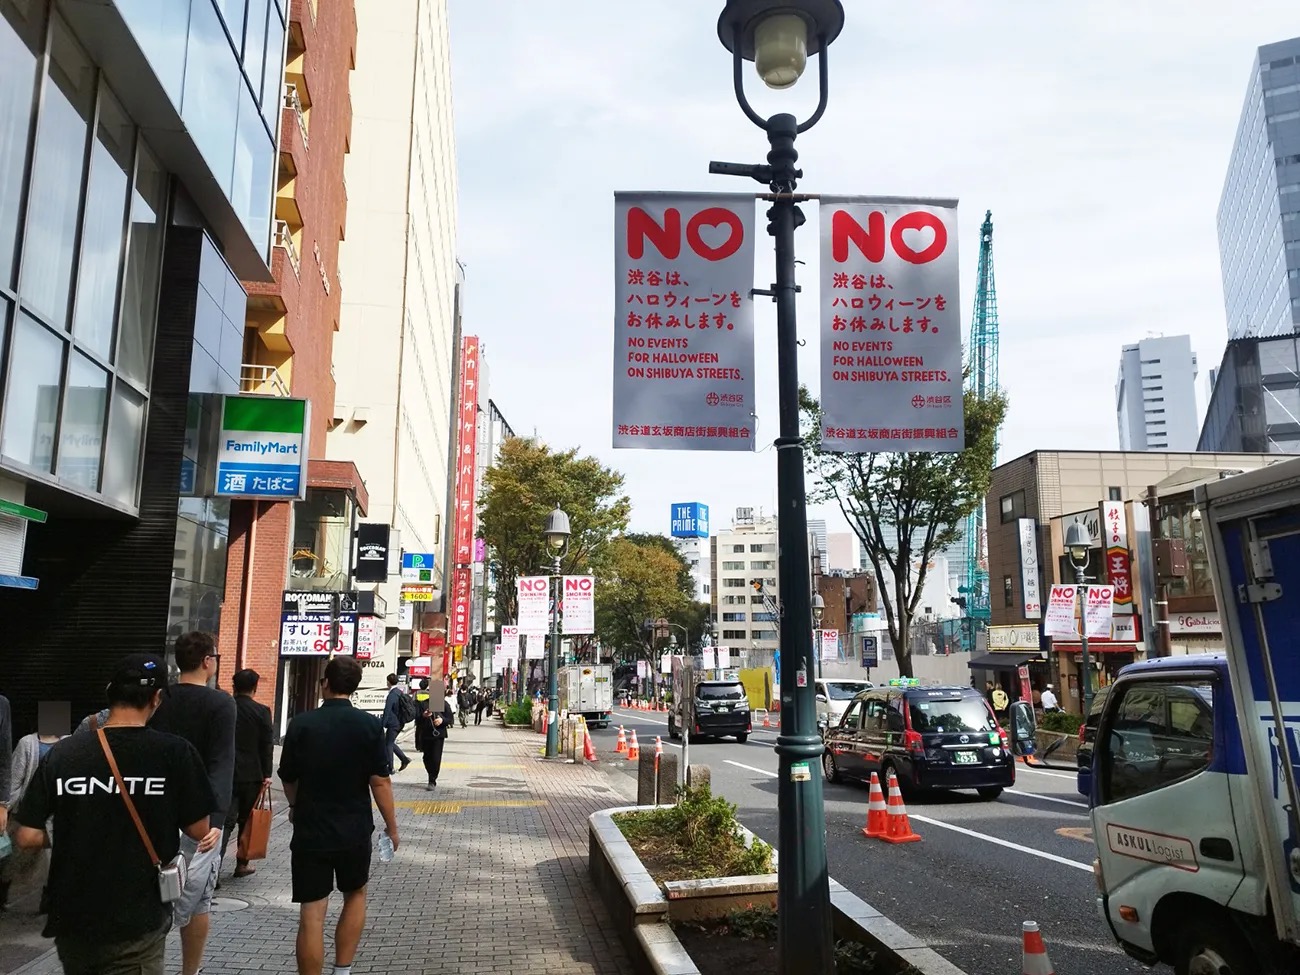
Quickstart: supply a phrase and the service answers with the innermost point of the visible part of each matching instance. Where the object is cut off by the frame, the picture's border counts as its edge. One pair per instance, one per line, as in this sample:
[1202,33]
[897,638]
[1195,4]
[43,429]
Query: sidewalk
[491,876]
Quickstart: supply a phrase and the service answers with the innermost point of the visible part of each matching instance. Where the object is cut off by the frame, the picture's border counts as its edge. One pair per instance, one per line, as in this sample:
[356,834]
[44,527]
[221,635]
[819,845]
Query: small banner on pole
[534,593]
[1059,621]
[891,326]
[1098,611]
[579,605]
[684,321]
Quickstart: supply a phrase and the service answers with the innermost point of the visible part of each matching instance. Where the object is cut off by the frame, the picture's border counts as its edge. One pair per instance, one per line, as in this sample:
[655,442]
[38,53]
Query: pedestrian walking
[24,866]
[433,727]
[335,759]
[464,704]
[481,704]
[120,800]
[205,717]
[6,759]
[254,741]
[1049,700]
[392,723]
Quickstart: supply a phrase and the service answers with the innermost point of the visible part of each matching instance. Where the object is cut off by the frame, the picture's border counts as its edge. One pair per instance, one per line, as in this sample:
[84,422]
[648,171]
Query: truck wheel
[742,738]
[673,733]
[1211,945]
[990,792]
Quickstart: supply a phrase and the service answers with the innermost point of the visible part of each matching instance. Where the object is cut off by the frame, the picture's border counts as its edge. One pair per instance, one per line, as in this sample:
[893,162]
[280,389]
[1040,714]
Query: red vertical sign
[466,465]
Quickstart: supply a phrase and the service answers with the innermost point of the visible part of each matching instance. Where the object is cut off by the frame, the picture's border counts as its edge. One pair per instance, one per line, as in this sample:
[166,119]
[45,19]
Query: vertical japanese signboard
[466,462]
[891,326]
[1119,569]
[534,596]
[579,605]
[1029,581]
[684,321]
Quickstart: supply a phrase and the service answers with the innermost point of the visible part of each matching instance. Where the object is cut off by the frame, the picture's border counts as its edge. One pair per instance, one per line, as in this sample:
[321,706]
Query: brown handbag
[255,837]
[171,876]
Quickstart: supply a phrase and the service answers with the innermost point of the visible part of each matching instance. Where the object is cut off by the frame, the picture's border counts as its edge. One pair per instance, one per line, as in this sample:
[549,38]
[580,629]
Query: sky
[1097,133]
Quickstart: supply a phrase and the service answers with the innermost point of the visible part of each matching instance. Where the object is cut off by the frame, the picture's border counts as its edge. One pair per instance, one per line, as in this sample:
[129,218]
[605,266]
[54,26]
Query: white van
[834,694]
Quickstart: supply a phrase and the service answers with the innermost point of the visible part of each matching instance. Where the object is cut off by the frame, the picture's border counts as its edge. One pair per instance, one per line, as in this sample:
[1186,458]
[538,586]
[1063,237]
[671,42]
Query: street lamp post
[556,534]
[779,36]
[1077,545]
[818,610]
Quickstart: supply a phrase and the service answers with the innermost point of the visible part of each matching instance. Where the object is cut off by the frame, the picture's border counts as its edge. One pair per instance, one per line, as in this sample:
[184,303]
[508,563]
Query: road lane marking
[750,768]
[641,716]
[1037,771]
[997,841]
[1039,795]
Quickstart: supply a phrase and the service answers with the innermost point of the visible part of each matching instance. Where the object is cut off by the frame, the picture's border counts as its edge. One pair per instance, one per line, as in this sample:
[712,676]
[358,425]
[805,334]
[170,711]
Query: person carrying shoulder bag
[434,727]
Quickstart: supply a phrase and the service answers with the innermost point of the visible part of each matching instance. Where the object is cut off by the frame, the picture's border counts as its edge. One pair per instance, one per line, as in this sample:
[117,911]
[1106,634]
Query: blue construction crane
[982,380]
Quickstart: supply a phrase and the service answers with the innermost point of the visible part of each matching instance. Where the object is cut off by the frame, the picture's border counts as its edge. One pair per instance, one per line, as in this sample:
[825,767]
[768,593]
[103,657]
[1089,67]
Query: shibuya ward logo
[712,399]
[918,402]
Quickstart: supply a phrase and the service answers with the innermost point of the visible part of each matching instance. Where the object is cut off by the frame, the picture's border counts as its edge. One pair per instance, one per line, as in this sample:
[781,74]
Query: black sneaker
[402,767]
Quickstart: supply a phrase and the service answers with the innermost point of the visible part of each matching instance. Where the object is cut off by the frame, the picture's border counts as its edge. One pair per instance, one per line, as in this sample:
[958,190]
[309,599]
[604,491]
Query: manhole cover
[226,905]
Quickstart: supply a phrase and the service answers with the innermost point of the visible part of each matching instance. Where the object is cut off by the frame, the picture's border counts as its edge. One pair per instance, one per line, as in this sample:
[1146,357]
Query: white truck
[588,690]
[1193,783]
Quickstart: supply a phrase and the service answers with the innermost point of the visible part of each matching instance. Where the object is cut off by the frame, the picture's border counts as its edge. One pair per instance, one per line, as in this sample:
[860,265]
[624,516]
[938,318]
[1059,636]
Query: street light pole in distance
[556,534]
[779,36]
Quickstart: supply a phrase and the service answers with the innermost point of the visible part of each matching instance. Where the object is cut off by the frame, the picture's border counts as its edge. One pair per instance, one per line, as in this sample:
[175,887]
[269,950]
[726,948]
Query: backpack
[407,710]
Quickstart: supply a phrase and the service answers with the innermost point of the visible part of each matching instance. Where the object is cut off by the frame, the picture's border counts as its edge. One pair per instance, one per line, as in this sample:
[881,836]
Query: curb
[640,910]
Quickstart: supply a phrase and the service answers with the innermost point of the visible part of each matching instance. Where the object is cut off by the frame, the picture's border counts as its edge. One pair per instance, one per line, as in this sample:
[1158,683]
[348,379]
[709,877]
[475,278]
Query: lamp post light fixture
[779,36]
[1077,545]
[556,534]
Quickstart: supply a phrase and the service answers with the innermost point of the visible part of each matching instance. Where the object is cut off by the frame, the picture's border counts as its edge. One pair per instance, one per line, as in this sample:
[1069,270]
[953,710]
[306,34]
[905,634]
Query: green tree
[919,499]
[638,582]
[692,615]
[519,491]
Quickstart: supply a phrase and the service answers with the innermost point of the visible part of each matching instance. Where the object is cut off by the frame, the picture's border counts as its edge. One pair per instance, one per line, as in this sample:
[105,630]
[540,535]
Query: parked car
[834,694]
[930,737]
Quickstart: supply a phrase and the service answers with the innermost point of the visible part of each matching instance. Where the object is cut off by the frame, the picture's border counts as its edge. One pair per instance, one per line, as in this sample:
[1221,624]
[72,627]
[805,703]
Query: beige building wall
[732,592]
[394,356]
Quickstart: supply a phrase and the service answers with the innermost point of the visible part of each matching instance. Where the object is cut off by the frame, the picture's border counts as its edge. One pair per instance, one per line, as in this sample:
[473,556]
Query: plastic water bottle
[385,848]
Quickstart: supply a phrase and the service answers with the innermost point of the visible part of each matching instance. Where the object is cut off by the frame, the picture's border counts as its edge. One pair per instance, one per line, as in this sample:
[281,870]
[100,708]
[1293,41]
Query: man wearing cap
[205,717]
[1049,699]
[106,909]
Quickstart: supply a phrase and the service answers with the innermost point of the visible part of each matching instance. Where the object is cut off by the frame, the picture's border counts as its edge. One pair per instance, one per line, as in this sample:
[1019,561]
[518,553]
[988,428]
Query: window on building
[733,634]
[734,617]
[1008,592]
[1013,506]
[756,600]
[733,583]
[737,549]
[733,566]
[1114,494]
[765,564]
[766,635]
[765,547]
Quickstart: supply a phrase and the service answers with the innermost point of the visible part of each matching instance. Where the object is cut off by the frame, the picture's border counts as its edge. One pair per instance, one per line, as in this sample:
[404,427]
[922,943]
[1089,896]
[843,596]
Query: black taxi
[931,737]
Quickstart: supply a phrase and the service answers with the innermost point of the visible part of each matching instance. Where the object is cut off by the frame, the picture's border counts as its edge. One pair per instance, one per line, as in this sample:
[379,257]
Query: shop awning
[1003,661]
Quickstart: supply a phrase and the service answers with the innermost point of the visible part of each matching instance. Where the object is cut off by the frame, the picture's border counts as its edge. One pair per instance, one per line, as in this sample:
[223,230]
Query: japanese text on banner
[466,470]
[1098,611]
[534,596]
[1059,621]
[579,606]
[1119,568]
[891,378]
[684,321]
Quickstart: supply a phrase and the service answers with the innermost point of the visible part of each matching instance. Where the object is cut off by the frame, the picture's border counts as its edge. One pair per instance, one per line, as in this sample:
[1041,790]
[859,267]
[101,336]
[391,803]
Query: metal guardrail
[294,104]
[284,238]
[255,378]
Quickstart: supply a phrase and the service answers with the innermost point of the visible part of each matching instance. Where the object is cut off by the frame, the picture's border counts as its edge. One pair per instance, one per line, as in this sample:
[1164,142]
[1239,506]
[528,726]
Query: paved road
[983,868]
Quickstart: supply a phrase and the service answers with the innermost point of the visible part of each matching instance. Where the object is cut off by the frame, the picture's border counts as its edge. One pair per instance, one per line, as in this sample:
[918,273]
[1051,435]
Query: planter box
[641,910]
[696,900]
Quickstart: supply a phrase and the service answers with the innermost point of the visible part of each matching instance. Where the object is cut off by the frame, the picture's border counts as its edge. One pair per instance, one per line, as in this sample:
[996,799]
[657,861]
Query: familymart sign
[262,450]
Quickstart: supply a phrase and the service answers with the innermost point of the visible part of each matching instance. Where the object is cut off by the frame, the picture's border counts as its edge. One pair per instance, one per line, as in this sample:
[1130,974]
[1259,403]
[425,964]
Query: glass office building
[1259,210]
[1255,404]
[137,171]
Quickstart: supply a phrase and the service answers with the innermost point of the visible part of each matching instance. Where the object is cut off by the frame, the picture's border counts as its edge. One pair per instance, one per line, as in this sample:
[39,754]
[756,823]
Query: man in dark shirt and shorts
[334,759]
[205,717]
[106,915]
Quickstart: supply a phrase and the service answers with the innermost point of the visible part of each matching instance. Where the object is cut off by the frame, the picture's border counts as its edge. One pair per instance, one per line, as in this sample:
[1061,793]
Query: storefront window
[49,249]
[1180,521]
[21,26]
[322,540]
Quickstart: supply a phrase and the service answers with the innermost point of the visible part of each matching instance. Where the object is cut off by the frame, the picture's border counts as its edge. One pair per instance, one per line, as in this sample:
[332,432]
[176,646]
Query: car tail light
[913,743]
[1006,739]
[1082,728]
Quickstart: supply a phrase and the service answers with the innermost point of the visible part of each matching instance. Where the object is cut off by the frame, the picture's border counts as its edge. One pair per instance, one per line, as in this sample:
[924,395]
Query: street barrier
[1034,960]
[899,829]
[621,745]
[877,817]
[633,749]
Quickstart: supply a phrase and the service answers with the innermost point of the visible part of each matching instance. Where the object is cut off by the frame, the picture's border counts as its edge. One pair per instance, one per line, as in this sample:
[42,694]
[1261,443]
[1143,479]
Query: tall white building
[1155,395]
[696,553]
[744,552]
[817,534]
[395,352]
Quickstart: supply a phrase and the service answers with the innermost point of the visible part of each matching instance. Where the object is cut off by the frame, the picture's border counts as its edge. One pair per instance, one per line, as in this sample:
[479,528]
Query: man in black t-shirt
[106,911]
[334,759]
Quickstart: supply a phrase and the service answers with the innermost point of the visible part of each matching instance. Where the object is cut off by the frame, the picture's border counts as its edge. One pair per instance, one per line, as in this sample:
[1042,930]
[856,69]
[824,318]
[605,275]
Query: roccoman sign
[1013,638]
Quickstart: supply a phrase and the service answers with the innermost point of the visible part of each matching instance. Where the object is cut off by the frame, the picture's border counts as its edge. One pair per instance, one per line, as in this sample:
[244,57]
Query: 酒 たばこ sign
[262,451]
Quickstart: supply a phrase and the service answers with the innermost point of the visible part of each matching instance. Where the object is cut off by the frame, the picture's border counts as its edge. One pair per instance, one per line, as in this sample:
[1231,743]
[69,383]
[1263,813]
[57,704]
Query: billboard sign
[372,552]
[417,566]
[307,618]
[262,450]
[684,321]
[891,326]
[1030,586]
[1119,568]
[690,520]
[534,597]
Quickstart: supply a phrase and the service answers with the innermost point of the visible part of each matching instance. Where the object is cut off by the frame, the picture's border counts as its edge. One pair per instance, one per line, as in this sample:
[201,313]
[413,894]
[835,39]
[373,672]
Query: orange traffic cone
[659,747]
[767,720]
[588,749]
[899,829]
[877,818]
[621,746]
[1034,960]
[633,749]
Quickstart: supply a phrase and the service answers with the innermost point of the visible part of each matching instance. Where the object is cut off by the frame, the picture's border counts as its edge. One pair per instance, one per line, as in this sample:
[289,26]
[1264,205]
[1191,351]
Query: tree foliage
[906,507]
[639,582]
[519,491]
